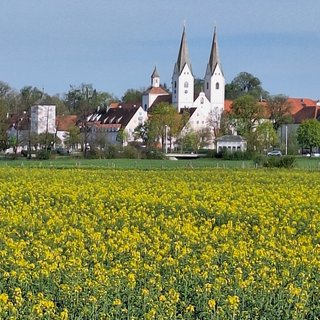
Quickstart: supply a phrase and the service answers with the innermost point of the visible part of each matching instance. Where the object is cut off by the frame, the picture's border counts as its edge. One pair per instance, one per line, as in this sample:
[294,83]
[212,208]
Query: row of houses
[118,117]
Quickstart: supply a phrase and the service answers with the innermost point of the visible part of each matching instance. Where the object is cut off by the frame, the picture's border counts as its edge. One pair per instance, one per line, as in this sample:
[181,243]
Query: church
[204,109]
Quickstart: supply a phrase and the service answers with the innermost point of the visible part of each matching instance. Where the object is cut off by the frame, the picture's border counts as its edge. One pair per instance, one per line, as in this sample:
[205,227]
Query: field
[143,164]
[191,243]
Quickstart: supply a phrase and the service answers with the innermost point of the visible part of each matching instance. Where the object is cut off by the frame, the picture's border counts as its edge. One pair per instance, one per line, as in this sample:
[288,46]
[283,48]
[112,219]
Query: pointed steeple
[155,78]
[183,57]
[214,59]
[155,73]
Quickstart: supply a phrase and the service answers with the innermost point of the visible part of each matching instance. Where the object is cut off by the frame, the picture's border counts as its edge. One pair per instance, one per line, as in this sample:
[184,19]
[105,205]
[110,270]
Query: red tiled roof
[156,90]
[63,123]
[298,103]
[227,105]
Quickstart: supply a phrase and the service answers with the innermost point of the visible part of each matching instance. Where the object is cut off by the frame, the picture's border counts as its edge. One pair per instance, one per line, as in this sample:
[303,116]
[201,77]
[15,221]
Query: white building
[207,107]
[231,143]
[43,119]
[106,124]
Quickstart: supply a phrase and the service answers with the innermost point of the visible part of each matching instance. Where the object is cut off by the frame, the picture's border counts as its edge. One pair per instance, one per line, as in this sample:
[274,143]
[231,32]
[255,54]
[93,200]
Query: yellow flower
[116,302]
[190,308]
[212,303]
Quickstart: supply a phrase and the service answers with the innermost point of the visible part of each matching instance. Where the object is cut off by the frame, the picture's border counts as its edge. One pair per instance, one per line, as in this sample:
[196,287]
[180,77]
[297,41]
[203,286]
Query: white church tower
[154,91]
[214,81]
[182,78]
[155,78]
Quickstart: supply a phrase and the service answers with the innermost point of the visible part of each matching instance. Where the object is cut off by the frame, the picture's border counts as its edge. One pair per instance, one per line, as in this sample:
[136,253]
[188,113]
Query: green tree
[132,96]
[265,136]
[28,97]
[73,137]
[245,114]
[3,124]
[198,86]
[279,110]
[245,84]
[122,136]
[164,121]
[308,134]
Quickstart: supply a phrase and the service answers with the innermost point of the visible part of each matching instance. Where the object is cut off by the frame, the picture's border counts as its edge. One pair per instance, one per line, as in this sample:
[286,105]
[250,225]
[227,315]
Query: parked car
[62,151]
[274,153]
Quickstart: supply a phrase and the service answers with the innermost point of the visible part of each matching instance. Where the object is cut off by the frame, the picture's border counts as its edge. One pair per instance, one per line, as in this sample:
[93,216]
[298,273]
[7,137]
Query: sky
[115,44]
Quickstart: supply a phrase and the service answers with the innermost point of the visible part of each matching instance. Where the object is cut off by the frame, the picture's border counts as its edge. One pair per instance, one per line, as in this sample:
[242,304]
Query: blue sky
[115,44]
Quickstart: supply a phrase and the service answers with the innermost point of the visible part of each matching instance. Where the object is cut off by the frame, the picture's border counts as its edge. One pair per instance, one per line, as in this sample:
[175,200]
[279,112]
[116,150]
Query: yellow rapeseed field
[185,244]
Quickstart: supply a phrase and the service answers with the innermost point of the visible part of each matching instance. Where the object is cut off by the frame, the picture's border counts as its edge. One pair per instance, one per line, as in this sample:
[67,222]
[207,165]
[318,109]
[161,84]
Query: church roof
[155,73]
[214,58]
[156,90]
[183,57]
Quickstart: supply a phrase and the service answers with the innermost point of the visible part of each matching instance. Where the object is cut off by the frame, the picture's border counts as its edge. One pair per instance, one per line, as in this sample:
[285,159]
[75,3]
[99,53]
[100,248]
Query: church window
[217,85]
[207,85]
[185,91]
[175,84]
[186,84]
[201,100]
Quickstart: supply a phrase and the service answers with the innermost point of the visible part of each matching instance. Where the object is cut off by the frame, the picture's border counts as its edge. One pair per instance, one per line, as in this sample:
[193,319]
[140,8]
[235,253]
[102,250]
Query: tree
[308,134]
[279,109]
[198,86]
[28,97]
[73,137]
[265,136]
[245,84]
[164,121]
[5,89]
[213,121]
[245,114]
[3,124]
[132,96]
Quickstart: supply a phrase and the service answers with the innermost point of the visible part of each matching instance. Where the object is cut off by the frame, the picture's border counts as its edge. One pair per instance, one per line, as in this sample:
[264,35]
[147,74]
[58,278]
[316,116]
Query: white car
[274,153]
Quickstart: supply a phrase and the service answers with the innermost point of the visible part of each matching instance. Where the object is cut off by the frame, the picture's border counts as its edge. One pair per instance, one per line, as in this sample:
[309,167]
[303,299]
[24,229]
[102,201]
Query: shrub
[130,152]
[154,154]
[276,162]
[43,154]
[236,155]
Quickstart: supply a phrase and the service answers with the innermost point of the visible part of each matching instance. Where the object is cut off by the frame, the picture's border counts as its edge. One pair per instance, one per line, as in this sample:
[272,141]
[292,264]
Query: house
[63,125]
[116,124]
[231,143]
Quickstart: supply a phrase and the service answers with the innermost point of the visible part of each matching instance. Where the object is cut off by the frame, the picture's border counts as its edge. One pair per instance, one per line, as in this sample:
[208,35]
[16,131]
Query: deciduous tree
[279,109]
[245,84]
[308,134]
[245,114]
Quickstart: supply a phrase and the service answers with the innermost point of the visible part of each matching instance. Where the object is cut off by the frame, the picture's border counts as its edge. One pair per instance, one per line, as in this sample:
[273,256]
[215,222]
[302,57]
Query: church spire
[183,57]
[214,59]
[155,78]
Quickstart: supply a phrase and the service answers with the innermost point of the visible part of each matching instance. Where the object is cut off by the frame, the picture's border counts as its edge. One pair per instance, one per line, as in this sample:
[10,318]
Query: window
[202,101]
[186,84]
[186,91]
[207,85]
[175,84]
[217,85]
